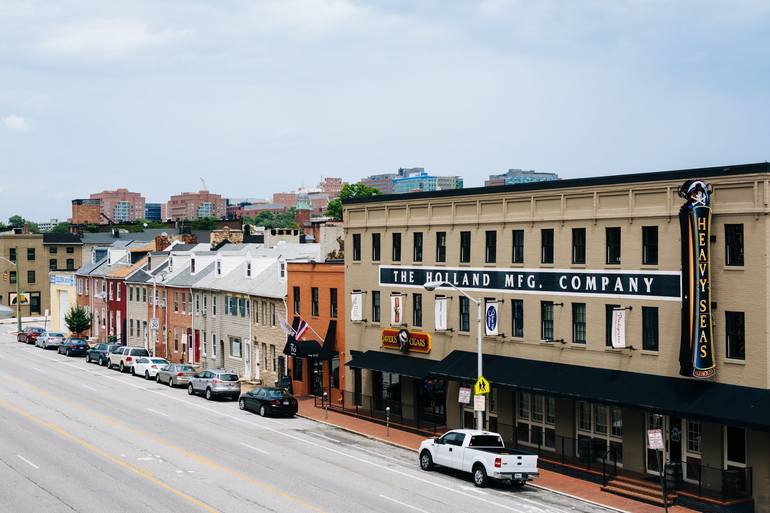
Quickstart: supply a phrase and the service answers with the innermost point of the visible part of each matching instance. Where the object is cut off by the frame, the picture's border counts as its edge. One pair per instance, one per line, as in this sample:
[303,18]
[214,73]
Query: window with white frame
[600,429]
[235,347]
[536,420]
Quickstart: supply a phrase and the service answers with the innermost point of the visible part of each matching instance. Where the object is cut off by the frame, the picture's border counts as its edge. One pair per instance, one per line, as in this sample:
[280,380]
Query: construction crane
[204,184]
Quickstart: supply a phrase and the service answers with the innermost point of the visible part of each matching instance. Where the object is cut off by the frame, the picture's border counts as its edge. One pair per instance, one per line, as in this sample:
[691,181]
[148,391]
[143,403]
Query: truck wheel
[480,476]
[517,485]
[426,460]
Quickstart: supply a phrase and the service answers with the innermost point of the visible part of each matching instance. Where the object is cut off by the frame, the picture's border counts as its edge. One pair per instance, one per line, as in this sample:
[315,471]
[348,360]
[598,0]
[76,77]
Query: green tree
[16,221]
[61,228]
[77,320]
[349,190]
[206,223]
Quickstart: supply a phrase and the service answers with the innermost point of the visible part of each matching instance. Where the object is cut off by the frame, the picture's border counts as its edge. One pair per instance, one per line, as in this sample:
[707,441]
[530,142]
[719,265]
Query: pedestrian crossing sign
[481,387]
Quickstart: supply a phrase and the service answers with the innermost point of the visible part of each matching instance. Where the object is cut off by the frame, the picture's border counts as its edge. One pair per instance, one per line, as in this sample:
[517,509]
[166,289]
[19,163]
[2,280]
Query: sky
[261,96]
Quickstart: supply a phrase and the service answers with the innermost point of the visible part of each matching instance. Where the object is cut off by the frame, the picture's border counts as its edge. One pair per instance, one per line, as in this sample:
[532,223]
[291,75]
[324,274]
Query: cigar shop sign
[406,341]
[658,285]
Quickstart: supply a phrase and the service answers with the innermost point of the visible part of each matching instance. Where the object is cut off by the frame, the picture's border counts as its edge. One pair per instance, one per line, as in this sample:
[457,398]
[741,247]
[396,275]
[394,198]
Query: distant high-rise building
[417,179]
[196,205]
[331,186]
[87,211]
[382,182]
[47,226]
[153,212]
[120,205]
[516,176]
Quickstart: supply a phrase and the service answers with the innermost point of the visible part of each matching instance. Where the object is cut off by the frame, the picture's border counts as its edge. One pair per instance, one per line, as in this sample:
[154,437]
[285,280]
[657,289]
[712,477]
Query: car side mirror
[437,441]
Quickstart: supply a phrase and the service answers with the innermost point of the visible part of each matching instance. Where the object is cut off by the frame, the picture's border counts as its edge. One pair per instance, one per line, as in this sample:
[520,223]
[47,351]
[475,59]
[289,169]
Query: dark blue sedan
[269,401]
[74,347]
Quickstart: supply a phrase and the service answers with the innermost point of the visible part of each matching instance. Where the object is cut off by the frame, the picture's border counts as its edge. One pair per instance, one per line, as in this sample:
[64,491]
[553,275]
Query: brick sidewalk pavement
[548,480]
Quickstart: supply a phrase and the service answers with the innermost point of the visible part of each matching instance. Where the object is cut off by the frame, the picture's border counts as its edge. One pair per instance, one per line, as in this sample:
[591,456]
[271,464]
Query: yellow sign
[481,387]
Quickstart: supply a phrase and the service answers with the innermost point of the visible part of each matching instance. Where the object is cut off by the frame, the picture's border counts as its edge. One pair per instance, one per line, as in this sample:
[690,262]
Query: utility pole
[18,290]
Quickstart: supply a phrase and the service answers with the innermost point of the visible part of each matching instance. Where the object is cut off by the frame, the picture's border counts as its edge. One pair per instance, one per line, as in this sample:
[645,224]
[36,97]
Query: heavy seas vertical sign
[696,352]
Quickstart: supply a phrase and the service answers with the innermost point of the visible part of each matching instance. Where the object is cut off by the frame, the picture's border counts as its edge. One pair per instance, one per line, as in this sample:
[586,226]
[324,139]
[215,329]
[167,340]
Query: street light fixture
[433,285]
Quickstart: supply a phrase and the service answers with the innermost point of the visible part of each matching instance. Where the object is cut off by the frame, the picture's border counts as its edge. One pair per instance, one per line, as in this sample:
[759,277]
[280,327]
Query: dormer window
[149,262]
[283,269]
[171,264]
[192,265]
[219,267]
[248,269]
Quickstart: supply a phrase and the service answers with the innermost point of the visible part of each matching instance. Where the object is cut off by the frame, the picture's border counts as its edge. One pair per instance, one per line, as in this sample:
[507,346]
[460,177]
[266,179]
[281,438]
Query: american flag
[301,329]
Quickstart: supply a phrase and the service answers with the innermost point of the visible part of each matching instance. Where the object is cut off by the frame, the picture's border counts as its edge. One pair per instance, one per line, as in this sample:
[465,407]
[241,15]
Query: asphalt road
[75,437]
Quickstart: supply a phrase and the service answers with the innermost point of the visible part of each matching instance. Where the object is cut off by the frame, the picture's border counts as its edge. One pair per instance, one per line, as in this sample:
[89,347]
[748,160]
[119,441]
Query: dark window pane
[546,246]
[396,247]
[736,444]
[518,246]
[376,247]
[649,245]
[376,306]
[440,246]
[517,306]
[465,315]
[356,247]
[546,320]
[333,303]
[417,310]
[579,323]
[613,245]
[314,301]
[465,247]
[649,328]
[578,245]
[417,256]
[735,335]
[734,244]
[490,244]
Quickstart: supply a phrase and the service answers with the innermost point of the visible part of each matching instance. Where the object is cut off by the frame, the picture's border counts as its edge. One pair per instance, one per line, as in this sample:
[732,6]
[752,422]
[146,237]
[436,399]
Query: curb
[394,444]
[350,430]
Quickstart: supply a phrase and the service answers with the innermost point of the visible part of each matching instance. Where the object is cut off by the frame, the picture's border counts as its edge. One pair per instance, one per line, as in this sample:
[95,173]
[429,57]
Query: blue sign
[491,319]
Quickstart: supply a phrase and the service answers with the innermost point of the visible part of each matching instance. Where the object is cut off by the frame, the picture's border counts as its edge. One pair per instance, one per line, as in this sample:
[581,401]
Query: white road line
[404,504]
[25,460]
[156,412]
[529,504]
[89,388]
[38,370]
[254,448]
[474,490]
[327,437]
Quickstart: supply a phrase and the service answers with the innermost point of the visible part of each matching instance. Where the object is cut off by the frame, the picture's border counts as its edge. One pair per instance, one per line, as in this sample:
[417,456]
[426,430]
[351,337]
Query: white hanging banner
[491,318]
[356,306]
[619,329]
[396,310]
[441,313]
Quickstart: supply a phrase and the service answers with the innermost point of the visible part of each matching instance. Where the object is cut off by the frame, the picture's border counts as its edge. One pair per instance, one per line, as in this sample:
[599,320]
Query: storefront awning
[302,348]
[329,339]
[396,363]
[688,398]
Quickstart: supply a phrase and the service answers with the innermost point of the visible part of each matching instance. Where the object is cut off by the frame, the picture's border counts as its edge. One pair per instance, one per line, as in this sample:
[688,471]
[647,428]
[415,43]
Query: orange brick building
[316,294]
[86,211]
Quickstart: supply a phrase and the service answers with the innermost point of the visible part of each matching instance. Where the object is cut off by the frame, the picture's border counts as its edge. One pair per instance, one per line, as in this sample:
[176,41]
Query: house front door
[197,346]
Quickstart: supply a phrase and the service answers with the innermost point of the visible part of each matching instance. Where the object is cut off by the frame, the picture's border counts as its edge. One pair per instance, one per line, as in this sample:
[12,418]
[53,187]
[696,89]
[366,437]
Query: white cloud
[105,39]
[15,123]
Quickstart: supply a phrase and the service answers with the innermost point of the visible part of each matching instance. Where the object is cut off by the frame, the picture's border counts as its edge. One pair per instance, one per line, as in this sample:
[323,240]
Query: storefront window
[693,436]
[584,416]
[387,391]
[594,420]
[601,420]
[617,421]
[433,400]
[535,423]
[297,368]
[335,373]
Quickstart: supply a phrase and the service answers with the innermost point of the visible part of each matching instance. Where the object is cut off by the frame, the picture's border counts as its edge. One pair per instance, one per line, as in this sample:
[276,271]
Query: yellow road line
[107,456]
[202,460]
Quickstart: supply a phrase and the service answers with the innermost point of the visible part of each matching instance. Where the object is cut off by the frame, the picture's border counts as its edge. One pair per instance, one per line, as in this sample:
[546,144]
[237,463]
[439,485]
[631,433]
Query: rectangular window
[465,314]
[375,306]
[546,245]
[735,442]
[70,264]
[649,245]
[578,245]
[356,247]
[440,246]
[30,254]
[375,247]
[30,276]
[613,245]
[213,304]
[70,250]
[417,253]
[465,247]
[314,301]
[296,295]
[693,437]
[12,254]
[333,303]
[396,247]
[272,314]
[176,341]
[235,347]
[518,246]
[579,323]
[52,250]
[546,320]
[490,246]
[649,328]
[600,422]
[52,264]
[176,301]
[734,244]
[735,335]
[417,309]
[130,293]
[608,323]
[517,306]
[584,416]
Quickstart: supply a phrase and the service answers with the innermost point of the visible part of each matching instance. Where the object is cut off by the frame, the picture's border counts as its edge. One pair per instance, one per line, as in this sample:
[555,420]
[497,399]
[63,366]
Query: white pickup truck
[480,453]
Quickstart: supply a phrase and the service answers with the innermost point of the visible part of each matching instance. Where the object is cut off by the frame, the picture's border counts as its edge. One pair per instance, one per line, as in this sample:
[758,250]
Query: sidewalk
[553,481]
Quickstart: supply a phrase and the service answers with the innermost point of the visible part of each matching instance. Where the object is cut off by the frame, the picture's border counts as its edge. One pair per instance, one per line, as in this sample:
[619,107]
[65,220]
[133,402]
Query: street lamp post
[433,285]
[18,289]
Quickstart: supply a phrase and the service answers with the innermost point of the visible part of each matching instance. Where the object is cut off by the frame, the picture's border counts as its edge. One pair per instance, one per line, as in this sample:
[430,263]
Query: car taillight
[153,366]
[179,374]
[498,462]
[217,381]
[276,403]
[129,359]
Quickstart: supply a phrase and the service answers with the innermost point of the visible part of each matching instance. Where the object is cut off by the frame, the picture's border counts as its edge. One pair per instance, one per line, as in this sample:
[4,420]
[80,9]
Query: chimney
[161,242]
[25,229]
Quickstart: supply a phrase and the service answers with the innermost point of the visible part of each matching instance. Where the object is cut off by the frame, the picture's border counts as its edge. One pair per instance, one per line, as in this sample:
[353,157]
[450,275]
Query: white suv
[123,358]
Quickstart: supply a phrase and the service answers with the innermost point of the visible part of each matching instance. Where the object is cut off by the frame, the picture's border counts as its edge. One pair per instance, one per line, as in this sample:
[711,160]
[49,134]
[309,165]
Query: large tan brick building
[196,205]
[561,268]
[27,250]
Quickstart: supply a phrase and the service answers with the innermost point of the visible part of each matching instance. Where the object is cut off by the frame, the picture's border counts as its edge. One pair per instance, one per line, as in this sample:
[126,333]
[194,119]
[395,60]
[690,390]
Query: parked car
[215,382]
[49,339]
[99,353]
[148,366]
[175,374]
[74,347]
[269,401]
[123,357]
[481,453]
[29,334]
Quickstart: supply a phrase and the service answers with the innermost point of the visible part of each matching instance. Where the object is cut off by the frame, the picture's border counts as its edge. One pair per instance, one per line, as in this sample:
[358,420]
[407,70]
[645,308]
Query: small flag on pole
[302,327]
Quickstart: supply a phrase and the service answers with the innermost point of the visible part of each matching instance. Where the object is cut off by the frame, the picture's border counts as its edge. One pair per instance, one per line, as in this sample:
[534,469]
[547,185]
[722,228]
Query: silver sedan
[49,339]
[175,374]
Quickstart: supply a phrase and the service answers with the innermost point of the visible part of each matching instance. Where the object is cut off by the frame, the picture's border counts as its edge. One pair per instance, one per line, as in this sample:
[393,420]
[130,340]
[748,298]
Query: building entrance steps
[548,480]
[638,489]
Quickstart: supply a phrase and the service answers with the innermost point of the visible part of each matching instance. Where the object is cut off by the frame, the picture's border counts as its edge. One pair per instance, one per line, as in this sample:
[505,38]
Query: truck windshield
[486,441]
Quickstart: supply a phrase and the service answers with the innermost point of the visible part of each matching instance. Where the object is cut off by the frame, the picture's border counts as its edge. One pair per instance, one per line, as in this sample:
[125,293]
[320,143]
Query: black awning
[689,398]
[302,348]
[331,337]
[396,363]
